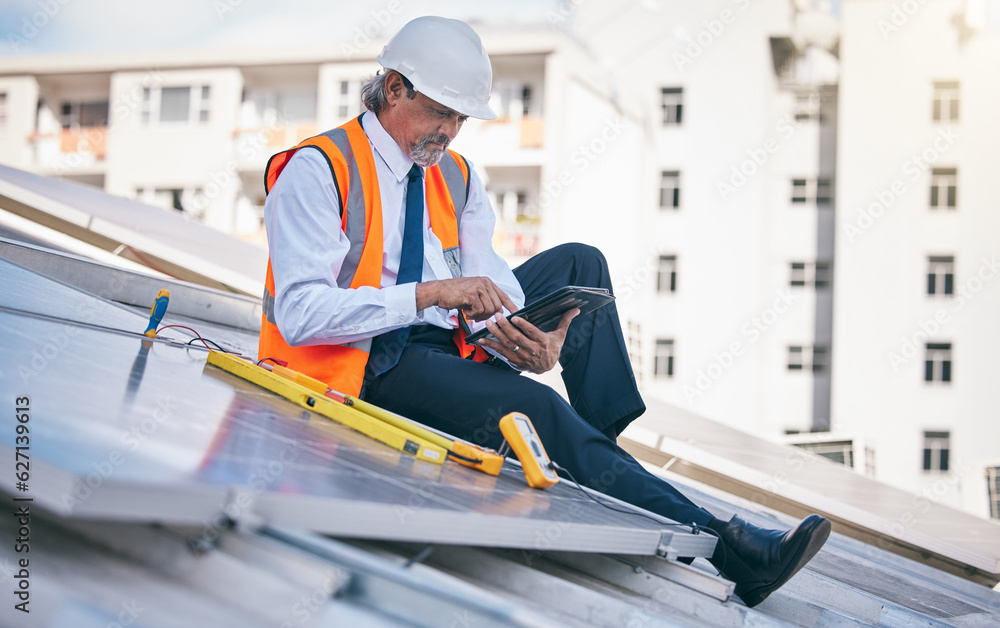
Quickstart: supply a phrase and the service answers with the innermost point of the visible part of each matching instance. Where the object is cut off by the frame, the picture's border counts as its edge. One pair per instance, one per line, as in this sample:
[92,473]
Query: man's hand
[527,346]
[478,297]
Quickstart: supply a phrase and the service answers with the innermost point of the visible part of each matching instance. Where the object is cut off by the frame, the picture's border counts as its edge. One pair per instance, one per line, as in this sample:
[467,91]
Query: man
[380,241]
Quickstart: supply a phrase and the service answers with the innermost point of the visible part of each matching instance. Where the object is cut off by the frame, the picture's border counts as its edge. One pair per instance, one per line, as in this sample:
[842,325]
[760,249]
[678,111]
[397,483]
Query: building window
[799,191]
[666,274]
[525,99]
[204,103]
[526,211]
[816,358]
[819,274]
[663,361]
[806,106]
[819,191]
[83,114]
[941,275]
[944,188]
[670,189]
[176,104]
[840,451]
[936,447]
[3,108]
[671,99]
[945,102]
[633,340]
[798,274]
[342,110]
[937,364]
[795,358]
[993,486]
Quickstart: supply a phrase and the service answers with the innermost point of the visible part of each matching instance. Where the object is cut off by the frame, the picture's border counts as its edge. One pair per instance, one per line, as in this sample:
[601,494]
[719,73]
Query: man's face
[426,128]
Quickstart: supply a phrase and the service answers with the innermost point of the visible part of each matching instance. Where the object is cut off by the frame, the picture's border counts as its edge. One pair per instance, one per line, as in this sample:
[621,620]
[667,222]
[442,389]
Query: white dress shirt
[308,247]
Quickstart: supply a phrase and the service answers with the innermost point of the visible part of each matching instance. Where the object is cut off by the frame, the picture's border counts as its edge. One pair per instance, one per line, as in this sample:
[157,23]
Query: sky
[29,27]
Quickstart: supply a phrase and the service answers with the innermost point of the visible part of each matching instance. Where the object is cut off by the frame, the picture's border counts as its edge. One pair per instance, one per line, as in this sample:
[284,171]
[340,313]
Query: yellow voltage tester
[524,440]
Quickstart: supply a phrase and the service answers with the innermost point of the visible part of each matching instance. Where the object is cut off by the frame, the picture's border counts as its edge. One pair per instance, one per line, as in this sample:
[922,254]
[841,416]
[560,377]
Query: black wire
[206,340]
[695,528]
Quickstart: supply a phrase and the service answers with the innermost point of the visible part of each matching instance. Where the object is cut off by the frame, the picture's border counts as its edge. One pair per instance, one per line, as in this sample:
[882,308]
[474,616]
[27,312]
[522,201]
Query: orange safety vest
[352,166]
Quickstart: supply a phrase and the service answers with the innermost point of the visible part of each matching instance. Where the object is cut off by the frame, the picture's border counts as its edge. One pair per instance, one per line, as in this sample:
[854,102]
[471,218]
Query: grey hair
[373,93]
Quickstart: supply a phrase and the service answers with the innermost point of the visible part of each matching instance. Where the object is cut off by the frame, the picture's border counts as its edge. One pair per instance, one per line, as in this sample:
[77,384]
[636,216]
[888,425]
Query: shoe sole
[817,531]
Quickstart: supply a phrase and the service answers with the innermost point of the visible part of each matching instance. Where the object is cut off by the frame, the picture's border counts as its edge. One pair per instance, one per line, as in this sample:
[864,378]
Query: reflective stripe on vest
[352,166]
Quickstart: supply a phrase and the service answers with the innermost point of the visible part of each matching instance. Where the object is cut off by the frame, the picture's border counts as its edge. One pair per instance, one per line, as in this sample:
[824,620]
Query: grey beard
[424,156]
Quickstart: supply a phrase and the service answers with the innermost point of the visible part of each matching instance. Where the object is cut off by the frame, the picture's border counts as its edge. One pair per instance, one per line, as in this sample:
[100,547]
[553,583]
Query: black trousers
[435,386]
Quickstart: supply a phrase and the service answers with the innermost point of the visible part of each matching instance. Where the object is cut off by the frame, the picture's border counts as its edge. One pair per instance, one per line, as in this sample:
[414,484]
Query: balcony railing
[74,146]
[256,145]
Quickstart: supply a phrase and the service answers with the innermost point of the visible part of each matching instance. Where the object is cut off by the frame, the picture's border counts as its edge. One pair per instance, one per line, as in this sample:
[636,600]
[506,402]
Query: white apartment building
[917,292]
[701,146]
[725,266]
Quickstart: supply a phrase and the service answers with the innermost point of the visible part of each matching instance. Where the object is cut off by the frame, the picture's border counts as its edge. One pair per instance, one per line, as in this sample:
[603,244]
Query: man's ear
[394,87]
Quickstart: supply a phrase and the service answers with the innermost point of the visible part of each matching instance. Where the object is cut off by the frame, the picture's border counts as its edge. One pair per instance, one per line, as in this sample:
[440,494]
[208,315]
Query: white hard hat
[446,61]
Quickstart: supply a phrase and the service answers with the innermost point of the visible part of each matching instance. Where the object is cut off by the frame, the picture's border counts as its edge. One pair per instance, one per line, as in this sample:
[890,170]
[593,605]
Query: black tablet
[546,312]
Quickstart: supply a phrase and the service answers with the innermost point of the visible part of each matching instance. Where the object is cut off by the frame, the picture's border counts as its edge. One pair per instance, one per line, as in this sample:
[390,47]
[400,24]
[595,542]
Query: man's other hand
[478,297]
[526,346]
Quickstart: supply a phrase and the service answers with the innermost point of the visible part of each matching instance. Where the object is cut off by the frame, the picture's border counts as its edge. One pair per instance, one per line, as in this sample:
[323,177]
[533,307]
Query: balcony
[71,147]
[254,146]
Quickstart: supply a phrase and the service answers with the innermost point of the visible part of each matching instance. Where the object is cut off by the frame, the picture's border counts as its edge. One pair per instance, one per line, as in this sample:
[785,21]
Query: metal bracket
[237,512]
[665,549]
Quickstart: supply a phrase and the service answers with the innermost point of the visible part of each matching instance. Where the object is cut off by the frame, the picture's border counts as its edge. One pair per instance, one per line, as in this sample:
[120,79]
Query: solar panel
[148,234]
[126,428]
[798,482]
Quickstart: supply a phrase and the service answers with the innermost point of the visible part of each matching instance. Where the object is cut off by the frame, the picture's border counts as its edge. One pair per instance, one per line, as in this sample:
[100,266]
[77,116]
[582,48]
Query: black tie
[387,347]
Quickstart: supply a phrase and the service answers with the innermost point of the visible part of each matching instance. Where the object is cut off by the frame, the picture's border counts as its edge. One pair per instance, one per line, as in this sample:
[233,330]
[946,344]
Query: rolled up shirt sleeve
[307,249]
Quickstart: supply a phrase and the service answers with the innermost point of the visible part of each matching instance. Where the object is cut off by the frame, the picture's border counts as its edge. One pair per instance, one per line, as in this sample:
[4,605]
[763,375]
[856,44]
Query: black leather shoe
[759,560]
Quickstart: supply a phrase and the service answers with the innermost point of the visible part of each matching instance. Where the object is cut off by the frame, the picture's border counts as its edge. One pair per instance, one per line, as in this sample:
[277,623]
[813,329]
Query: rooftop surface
[169,493]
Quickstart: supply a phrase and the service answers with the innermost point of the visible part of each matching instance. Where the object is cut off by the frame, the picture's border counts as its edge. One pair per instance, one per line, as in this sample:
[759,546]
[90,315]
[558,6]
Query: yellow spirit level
[367,418]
